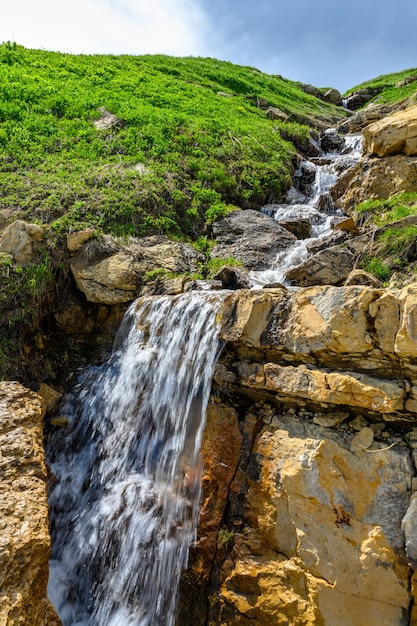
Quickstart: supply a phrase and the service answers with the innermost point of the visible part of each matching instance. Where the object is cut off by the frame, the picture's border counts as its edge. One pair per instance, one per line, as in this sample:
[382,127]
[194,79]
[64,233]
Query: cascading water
[126,474]
[316,206]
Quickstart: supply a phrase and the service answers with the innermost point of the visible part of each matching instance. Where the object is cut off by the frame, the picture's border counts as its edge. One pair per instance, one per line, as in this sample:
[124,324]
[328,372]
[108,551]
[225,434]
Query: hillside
[178,153]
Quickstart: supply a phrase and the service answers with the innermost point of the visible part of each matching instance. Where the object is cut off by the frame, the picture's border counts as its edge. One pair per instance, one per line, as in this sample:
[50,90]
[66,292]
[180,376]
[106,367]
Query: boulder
[273,113]
[395,134]
[360,277]
[232,277]
[22,241]
[250,237]
[380,178]
[333,96]
[328,267]
[76,240]
[109,273]
[299,227]
[330,141]
[332,239]
[25,541]
[346,224]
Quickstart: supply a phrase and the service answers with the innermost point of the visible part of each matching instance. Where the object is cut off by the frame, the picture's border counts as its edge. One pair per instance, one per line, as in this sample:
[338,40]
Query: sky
[322,42]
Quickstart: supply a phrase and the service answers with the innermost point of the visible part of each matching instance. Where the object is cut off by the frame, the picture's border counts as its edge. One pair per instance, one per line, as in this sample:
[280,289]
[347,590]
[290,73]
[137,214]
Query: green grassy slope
[183,155]
[390,94]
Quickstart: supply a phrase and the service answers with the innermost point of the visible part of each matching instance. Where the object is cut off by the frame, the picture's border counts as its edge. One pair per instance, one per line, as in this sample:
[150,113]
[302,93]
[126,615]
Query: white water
[126,472]
[326,176]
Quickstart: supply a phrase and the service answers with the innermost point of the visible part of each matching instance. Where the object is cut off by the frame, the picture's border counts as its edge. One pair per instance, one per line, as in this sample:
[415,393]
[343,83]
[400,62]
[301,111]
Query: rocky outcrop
[317,525]
[395,134]
[250,237]
[110,273]
[358,98]
[25,540]
[22,241]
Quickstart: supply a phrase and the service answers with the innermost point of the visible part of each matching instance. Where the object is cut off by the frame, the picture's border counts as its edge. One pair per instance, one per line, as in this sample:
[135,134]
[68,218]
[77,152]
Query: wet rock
[250,237]
[50,396]
[334,238]
[293,196]
[25,541]
[203,285]
[361,96]
[301,228]
[325,203]
[304,178]
[331,266]
[232,277]
[330,141]
[22,241]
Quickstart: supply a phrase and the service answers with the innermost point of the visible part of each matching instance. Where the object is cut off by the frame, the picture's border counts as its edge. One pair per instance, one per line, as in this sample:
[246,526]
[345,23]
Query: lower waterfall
[126,473]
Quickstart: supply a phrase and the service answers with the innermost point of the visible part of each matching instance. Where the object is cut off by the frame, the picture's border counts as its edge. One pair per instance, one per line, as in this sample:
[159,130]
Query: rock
[224,94]
[395,134]
[108,120]
[311,90]
[361,96]
[333,239]
[317,386]
[325,203]
[321,540]
[293,196]
[330,141]
[363,440]
[76,240]
[108,273]
[333,96]
[406,81]
[273,113]
[22,241]
[25,541]
[299,227]
[360,277]
[232,277]
[109,281]
[304,178]
[330,420]
[250,237]
[261,103]
[165,286]
[346,224]
[50,396]
[380,178]
[409,526]
[203,285]
[328,267]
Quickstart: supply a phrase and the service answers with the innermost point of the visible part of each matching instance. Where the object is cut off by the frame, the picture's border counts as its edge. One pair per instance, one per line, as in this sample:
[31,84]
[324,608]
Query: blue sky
[317,41]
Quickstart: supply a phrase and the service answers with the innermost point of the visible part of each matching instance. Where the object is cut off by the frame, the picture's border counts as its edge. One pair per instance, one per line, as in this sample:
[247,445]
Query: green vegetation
[406,81]
[395,250]
[387,211]
[182,154]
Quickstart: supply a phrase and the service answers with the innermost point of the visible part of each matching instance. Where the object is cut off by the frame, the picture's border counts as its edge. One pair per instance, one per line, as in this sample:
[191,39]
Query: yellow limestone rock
[347,388]
[393,134]
[24,533]
[323,544]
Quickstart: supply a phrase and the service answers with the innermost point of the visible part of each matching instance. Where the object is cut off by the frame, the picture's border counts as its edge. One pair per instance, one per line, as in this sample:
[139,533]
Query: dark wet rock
[360,97]
[251,237]
[330,141]
[301,228]
[328,267]
[333,239]
[232,277]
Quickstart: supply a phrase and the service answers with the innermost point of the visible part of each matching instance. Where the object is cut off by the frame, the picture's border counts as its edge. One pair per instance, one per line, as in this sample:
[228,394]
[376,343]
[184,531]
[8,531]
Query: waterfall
[126,472]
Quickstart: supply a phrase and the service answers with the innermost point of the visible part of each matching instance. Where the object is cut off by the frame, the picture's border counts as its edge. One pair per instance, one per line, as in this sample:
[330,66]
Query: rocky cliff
[25,541]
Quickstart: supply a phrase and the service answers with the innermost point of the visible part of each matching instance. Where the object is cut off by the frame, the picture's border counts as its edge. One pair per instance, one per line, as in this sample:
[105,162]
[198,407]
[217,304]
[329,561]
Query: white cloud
[177,27]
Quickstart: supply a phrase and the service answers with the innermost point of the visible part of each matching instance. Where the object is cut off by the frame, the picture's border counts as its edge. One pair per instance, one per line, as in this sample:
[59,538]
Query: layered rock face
[25,540]
[309,455]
